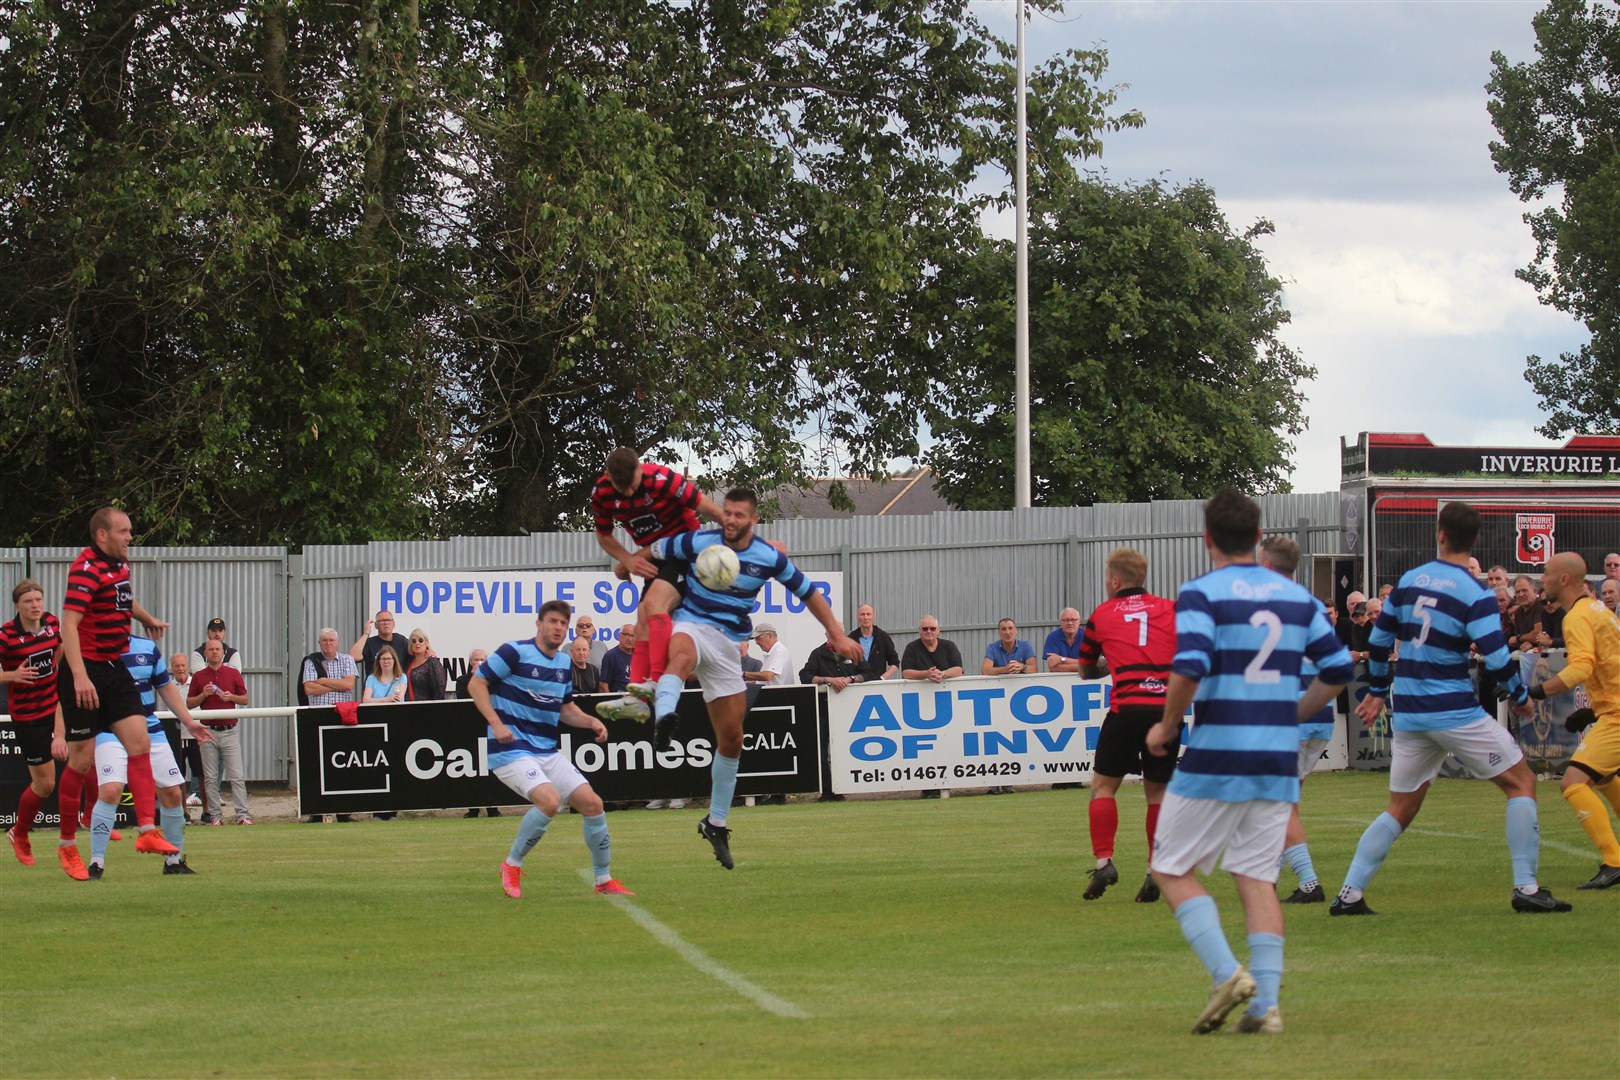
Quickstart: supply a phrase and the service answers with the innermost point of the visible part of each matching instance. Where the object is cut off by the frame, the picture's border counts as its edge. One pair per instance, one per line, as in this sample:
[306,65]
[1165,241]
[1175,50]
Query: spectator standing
[615,665]
[1524,617]
[330,677]
[424,674]
[475,660]
[190,752]
[827,668]
[1346,626]
[587,676]
[368,645]
[1062,648]
[1611,567]
[1497,578]
[931,658]
[215,631]
[214,687]
[1009,654]
[776,665]
[585,627]
[386,683]
[1552,624]
[1609,594]
[882,661]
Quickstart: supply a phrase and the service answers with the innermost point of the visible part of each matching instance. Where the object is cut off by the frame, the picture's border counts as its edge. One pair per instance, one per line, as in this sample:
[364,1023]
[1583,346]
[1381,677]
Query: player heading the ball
[711,620]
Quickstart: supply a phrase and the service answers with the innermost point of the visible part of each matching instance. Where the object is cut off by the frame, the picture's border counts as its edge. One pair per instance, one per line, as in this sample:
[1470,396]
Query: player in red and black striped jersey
[30,651]
[96,690]
[1136,632]
[651,502]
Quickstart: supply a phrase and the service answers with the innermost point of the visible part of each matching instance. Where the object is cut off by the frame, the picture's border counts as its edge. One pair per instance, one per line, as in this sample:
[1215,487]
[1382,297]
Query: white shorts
[526,774]
[112,763]
[1310,752]
[1246,837]
[719,659]
[1484,747]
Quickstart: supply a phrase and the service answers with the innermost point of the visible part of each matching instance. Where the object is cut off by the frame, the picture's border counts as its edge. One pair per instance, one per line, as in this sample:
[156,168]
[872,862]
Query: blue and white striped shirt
[528,690]
[1319,726]
[1436,612]
[1243,632]
[729,609]
[149,669]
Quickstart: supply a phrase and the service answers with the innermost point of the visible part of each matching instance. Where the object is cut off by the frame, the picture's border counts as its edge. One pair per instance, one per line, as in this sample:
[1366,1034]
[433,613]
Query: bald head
[1564,578]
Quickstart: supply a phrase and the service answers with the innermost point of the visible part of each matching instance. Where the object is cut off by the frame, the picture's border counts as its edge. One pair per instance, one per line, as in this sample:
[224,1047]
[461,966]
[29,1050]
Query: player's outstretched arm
[154,625]
[176,701]
[838,641]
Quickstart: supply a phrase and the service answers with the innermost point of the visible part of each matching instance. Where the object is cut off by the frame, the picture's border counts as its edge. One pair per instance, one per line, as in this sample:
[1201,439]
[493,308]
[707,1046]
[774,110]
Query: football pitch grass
[867,939]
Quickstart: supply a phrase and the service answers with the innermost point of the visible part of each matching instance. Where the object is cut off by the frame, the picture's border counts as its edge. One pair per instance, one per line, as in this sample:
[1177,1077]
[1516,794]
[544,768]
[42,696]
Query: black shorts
[115,686]
[34,739]
[670,570]
[1122,747]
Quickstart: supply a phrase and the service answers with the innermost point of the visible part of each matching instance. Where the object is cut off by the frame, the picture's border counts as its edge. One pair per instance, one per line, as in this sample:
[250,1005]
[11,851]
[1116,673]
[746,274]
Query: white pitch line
[1556,845]
[704,962]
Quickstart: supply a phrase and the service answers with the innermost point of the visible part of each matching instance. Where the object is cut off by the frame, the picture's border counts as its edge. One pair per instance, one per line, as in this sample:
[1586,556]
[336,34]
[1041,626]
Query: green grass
[923,938]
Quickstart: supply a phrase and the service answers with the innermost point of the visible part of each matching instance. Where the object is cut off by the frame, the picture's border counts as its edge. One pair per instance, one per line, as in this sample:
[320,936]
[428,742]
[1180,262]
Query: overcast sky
[1360,130]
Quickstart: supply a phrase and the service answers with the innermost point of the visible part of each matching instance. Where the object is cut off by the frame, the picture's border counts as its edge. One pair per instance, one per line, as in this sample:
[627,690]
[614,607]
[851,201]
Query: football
[717,567]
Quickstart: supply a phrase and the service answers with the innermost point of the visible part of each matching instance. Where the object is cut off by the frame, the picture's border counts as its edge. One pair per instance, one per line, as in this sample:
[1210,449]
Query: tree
[1156,370]
[1559,122]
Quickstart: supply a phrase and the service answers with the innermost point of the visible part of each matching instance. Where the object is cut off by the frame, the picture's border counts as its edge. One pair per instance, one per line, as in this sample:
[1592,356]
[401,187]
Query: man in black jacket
[882,661]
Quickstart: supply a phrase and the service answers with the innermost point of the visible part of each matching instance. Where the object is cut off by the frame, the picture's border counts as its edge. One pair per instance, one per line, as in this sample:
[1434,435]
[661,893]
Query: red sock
[660,628]
[28,808]
[640,660]
[1104,824]
[68,791]
[143,789]
[1152,823]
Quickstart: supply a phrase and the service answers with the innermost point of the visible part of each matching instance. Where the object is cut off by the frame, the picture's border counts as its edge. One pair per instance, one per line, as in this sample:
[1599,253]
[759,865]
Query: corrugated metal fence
[968,569]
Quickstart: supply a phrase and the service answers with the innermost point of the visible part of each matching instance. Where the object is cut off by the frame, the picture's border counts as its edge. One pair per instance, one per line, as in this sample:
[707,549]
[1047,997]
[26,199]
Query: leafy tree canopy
[1559,121]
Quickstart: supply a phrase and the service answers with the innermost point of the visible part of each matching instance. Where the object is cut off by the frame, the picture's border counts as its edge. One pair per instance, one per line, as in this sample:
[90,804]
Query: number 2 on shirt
[1257,672]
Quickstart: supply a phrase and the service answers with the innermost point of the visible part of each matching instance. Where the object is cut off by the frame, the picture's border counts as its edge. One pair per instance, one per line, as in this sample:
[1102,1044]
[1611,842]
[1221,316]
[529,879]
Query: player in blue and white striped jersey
[1437,612]
[1242,633]
[1280,553]
[709,624]
[147,666]
[524,690]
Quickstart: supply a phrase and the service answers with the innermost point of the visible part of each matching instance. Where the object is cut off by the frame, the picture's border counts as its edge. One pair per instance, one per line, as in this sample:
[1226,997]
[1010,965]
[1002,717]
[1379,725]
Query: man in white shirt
[776,666]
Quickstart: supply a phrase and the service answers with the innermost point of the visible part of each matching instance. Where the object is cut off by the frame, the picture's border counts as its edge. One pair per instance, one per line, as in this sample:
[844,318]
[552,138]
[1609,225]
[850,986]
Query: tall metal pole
[1021,496]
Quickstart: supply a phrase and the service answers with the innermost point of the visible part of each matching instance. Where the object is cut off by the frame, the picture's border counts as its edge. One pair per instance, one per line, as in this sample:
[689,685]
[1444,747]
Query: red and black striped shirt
[1137,632]
[36,700]
[665,504]
[98,588]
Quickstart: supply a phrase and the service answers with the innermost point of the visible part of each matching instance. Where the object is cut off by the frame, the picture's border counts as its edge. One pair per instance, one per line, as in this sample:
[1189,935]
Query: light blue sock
[530,830]
[102,818]
[1523,841]
[722,786]
[1265,964]
[1201,926]
[1370,853]
[1298,858]
[173,819]
[596,838]
[668,697]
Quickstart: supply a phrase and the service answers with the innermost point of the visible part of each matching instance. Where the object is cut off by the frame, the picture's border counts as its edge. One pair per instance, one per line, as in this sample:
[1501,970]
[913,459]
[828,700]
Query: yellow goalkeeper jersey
[1592,638]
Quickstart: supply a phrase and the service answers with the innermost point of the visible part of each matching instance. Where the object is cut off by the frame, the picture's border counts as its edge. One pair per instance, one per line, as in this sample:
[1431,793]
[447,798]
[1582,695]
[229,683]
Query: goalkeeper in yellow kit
[1592,638]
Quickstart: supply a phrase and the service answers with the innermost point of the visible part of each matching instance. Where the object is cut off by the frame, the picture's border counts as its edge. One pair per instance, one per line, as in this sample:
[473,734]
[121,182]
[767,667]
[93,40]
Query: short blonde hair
[1129,565]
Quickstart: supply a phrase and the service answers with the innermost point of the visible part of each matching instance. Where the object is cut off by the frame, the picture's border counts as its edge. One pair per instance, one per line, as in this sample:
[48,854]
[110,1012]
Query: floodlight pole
[1021,317]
